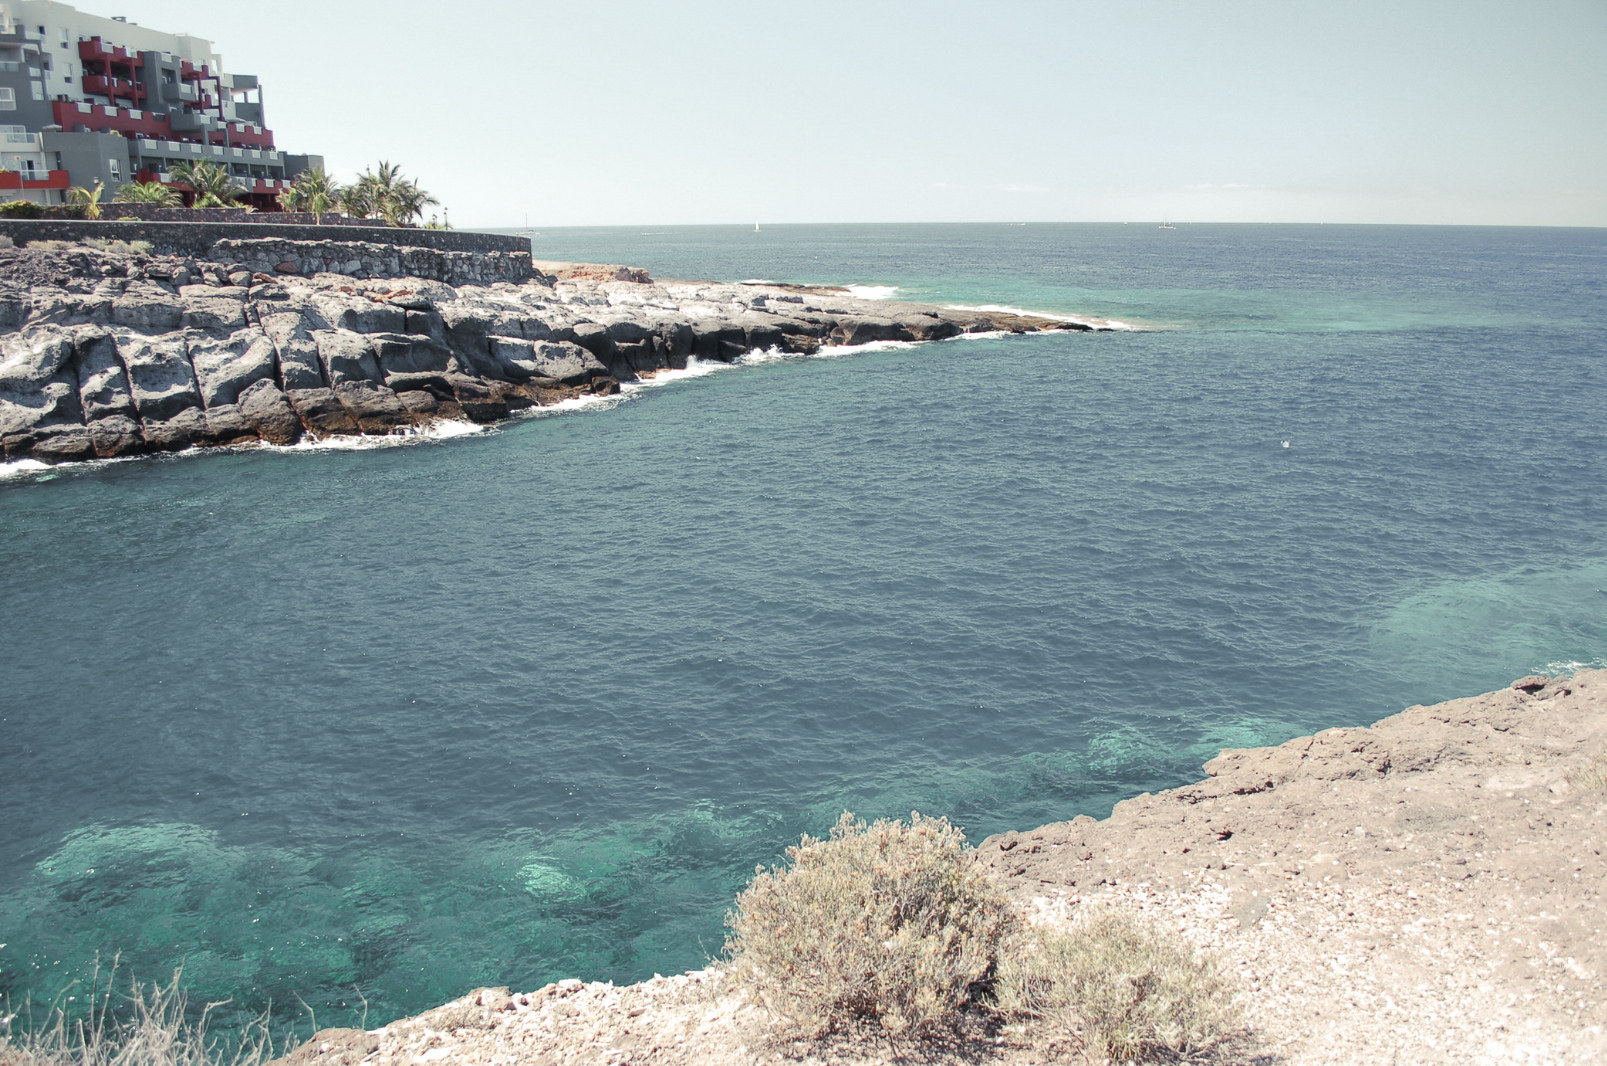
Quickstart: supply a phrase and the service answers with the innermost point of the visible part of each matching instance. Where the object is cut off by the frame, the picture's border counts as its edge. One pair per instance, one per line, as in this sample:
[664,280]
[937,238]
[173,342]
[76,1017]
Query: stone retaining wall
[362,259]
[197,238]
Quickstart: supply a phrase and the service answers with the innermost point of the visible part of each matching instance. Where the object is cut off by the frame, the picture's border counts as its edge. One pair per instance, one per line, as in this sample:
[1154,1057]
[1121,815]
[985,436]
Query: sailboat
[756,227]
[1166,223]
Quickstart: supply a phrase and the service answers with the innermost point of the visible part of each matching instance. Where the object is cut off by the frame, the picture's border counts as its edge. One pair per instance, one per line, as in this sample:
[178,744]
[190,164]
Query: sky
[627,112]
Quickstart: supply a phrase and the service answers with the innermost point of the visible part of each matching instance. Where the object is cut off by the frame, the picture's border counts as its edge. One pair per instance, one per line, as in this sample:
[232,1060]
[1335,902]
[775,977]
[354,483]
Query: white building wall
[66,25]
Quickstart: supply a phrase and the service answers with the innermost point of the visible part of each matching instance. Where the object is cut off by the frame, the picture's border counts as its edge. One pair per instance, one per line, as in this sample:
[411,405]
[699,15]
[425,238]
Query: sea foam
[1002,309]
[873,292]
[21,468]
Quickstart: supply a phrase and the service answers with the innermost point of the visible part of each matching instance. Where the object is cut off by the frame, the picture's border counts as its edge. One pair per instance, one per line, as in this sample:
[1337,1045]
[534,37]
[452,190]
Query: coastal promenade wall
[196,239]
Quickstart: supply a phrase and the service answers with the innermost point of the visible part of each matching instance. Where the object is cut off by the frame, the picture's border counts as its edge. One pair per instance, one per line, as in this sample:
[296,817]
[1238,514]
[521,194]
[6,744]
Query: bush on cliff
[1127,989]
[900,925]
[892,923]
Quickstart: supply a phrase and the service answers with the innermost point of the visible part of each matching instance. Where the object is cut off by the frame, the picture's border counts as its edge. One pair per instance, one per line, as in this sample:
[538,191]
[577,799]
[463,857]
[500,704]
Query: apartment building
[86,99]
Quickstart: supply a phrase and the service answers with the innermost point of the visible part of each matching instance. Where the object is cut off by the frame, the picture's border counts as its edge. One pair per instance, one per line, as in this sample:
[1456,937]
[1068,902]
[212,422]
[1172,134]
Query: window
[8,99]
[113,169]
[38,89]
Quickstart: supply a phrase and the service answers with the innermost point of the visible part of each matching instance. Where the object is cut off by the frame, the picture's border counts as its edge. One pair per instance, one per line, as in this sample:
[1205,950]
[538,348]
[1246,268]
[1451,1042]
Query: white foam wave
[435,431]
[839,350]
[695,368]
[1570,668]
[573,403]
[872,292]
[835,351]
[1083,320]
[21,468]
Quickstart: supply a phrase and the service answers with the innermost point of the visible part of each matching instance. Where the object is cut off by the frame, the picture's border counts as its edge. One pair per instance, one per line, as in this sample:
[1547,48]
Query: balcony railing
[95,49]
[102,85]
[19,180]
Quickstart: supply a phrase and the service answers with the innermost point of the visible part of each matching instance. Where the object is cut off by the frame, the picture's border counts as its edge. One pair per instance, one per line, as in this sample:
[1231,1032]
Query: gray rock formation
[271,341]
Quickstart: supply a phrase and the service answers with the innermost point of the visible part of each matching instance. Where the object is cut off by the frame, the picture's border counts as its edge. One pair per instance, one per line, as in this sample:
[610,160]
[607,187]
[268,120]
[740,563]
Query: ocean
[349,731]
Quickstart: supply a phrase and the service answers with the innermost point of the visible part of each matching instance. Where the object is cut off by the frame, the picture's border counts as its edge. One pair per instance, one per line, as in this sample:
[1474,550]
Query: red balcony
[95,50]
[101,85]
[246,138]
[69,116]
[15,180]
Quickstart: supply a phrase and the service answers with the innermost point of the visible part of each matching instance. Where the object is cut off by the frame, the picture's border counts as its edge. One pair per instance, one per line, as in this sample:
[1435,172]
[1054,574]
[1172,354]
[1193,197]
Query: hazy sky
[627,112]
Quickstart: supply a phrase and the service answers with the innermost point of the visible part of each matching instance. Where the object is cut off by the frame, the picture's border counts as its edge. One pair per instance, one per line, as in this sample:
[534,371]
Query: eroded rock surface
[271,341]
[1430,889]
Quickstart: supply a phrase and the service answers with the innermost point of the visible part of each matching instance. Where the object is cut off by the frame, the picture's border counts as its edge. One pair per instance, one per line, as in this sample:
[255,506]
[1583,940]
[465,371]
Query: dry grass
[1592,775]
[1127,990]
[154,1029]
[94,244]
[893,924]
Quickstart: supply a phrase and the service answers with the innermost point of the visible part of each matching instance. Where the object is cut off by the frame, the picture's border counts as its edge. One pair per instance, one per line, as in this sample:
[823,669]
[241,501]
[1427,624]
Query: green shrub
[894,923]
[1128,989]
[21,209]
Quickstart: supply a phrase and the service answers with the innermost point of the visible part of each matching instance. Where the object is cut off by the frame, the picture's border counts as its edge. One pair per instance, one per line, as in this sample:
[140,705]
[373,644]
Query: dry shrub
[892,923]
[156,1031]
[1592,775]
[118,247]
[1129,989]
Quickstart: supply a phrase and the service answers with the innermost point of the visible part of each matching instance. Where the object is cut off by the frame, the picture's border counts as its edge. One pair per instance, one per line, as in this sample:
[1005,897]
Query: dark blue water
[389,724]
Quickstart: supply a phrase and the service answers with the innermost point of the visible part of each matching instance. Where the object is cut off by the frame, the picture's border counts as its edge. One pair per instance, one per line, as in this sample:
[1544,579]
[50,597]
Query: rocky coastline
[1427,890]
[107,353]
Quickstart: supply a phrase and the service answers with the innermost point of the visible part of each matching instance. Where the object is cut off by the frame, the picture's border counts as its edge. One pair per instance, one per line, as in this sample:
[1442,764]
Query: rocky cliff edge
[1427,890]
[104,354]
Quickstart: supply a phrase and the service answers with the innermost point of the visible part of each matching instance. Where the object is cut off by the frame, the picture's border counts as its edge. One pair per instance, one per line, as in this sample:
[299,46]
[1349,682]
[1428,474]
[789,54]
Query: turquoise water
[387,724]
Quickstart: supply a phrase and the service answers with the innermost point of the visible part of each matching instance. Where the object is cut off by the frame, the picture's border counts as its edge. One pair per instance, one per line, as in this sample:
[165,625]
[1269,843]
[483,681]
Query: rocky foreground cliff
[1427,890]
[106,354]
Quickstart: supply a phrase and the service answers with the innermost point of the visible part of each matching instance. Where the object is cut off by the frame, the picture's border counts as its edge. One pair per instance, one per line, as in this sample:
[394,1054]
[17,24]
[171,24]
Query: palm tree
[88,198]
[356,201]
[385,192]
[405,203]
[214,187]
[313,191]
[147,192]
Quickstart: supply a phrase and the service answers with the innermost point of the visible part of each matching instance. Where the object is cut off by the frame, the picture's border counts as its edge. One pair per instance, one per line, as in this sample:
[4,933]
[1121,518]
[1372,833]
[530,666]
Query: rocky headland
[108,353]
[1427,890]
